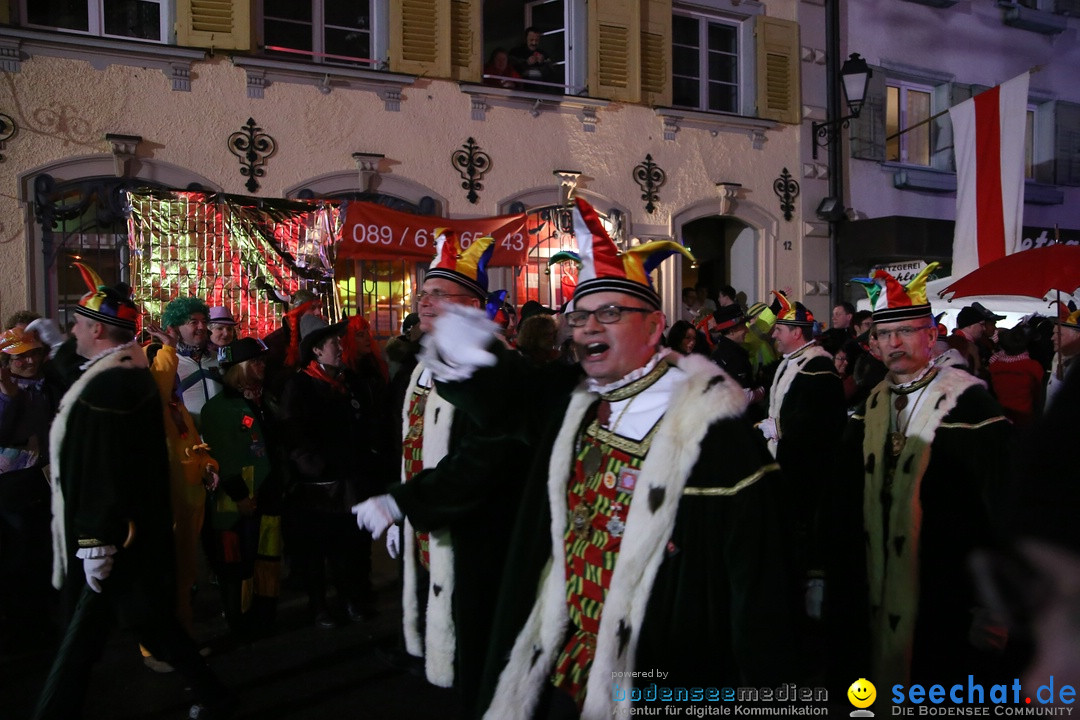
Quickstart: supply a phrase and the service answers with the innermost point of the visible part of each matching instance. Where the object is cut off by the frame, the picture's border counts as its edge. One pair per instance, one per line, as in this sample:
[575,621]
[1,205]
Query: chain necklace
[898,438]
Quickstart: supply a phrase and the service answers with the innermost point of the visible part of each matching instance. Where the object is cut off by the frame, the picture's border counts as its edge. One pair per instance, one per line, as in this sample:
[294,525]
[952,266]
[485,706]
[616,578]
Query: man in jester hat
[919,488]
[805,422]
[111,510]
[456,501]
[649,536]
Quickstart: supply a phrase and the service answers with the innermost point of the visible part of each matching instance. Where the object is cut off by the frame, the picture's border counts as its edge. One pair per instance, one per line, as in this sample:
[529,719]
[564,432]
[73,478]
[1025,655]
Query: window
[561,27]
[705,63]
[549,18]
[135,19]
[343,32]
[906,106]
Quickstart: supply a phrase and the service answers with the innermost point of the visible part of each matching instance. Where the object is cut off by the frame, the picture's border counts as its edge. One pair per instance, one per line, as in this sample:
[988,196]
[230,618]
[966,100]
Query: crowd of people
[747,499]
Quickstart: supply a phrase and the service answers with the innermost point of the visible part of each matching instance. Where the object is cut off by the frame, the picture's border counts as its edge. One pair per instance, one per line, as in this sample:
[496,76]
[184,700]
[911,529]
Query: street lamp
[855,74]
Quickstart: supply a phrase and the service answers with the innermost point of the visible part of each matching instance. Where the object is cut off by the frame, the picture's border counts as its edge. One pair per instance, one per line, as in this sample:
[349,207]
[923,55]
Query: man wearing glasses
[652,505]
[923,466]
[457,498]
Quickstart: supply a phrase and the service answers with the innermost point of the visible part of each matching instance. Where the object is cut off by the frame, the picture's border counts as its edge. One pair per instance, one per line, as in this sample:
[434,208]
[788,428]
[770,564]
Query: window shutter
[867,132]
[420,30]
[615,50]
[1067,143]
[466,51]
[941,150]
[215,24]
[778,84]
[656,52]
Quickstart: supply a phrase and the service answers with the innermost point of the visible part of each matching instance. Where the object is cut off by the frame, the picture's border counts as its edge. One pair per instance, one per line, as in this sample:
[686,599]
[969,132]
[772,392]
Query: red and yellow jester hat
[605,269]
[892,301]
[1068,315]
[467,267]
[112,306]
[791,313]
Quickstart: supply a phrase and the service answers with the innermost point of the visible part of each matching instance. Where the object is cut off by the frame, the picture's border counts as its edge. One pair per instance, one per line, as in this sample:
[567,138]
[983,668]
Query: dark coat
[108,445]
[338,444]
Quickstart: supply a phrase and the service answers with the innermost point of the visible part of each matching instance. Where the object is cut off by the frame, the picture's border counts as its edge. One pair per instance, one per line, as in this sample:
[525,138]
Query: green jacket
[233,428]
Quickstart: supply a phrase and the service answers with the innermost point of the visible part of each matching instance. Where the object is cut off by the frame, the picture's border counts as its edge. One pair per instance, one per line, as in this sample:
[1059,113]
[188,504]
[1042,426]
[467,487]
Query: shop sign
[905,272]
[374,232]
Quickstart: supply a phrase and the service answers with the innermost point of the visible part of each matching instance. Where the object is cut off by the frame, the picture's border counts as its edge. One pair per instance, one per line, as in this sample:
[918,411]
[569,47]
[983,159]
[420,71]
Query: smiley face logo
[862,693]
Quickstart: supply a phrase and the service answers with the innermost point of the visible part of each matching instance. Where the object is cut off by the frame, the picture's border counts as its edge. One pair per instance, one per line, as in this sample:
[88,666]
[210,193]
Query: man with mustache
[923,465]
[652,504]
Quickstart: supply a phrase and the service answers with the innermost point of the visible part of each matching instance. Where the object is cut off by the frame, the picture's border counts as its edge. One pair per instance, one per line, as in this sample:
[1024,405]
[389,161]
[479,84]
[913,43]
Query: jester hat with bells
[468,267]
[790,313]
[891,302]
[104,304]
[605,269]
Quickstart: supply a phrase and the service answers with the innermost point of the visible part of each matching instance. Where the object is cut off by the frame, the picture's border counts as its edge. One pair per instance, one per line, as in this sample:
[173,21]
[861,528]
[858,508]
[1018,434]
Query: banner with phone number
[374,232]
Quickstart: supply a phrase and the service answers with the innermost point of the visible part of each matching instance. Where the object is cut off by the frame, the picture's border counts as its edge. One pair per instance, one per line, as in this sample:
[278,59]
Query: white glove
[815,594]
[393,542]
[97,564]
[48,332]
[376,514]
[768,428]
[457,344]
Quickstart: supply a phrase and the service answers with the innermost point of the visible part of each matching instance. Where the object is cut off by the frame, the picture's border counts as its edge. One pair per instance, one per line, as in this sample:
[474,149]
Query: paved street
[299,672]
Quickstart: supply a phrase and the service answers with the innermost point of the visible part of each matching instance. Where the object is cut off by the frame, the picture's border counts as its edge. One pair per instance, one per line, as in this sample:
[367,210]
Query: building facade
[926,56]
[675,119]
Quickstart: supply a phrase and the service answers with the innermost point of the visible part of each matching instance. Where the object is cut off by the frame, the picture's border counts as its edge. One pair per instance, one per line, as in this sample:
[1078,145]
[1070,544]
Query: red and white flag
[988,140]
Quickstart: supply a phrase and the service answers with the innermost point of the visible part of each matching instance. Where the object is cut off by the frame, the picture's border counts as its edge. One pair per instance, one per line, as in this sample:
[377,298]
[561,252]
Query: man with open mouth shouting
[652,504]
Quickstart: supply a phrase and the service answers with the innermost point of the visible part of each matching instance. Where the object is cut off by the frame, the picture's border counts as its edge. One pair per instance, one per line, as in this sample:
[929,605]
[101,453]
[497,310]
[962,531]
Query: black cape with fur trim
[114,469]
[811,424]
[718,612]
[961,497]
[473,493]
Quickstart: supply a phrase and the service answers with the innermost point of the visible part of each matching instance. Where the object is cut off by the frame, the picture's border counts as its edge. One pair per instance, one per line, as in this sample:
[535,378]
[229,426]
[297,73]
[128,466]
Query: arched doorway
[725,251]
[733,243]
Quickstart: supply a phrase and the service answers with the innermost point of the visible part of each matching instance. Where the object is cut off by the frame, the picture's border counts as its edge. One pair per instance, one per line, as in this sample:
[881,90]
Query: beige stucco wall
[64,108]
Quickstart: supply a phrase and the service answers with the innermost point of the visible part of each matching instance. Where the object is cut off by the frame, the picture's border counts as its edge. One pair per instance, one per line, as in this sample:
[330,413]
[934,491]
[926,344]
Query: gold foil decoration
[244,253]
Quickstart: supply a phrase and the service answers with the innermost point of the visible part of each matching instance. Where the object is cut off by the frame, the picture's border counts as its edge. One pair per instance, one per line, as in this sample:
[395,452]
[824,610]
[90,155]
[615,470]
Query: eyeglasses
[904,332]
[439,295]
[607,315]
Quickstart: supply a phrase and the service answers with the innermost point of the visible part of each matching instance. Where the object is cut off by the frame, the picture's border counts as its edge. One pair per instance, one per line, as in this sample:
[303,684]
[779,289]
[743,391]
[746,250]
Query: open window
[544,40]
